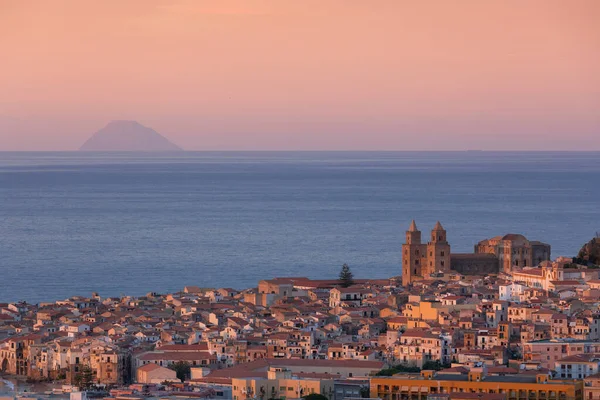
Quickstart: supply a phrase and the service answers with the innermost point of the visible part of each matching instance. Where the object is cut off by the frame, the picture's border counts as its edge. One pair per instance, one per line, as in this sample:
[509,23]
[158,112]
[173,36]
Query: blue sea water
[73,223]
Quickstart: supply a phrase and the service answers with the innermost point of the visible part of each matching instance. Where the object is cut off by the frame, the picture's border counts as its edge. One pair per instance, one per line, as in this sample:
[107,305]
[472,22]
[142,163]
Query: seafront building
[472,327]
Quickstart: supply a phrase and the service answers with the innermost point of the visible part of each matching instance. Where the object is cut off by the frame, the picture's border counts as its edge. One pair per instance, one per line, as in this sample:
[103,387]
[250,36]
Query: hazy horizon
[333,75]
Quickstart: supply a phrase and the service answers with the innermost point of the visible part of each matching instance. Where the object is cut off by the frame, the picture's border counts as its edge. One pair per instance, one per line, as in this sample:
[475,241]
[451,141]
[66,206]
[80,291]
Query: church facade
[423,259]
[500,254]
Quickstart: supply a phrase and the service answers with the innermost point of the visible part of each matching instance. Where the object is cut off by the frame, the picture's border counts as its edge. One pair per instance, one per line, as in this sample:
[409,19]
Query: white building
[511,291]
[578,366]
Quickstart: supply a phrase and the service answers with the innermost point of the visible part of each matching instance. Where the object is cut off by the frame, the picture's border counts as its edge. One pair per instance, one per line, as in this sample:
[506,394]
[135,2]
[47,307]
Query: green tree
[84,379]
[396,370]
[182,369]
[346,277]
[315,396]
[434,365]
[365,393]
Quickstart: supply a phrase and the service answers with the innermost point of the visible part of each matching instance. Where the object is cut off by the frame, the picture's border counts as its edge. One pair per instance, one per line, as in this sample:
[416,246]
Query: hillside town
[505,322]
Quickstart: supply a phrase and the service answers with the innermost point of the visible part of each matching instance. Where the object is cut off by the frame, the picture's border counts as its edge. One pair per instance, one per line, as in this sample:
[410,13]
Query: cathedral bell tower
[438,251]
[412,255]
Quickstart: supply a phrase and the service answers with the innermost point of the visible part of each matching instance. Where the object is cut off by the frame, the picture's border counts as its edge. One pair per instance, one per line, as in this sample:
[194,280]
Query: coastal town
[506,322]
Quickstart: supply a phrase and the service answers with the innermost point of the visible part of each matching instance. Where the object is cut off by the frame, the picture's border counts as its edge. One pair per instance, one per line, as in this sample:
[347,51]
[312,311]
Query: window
[443,253]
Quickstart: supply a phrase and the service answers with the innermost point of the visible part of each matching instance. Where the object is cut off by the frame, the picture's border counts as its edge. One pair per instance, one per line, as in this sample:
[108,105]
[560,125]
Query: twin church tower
[422,259]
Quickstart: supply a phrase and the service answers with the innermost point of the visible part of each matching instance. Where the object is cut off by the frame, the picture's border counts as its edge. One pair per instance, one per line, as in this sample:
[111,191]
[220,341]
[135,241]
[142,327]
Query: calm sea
[73,223]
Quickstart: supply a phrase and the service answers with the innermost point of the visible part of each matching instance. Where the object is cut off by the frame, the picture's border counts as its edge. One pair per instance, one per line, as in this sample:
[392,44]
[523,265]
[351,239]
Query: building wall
[576,370]
[249,388]
[548,352]
[591,389]
[404,387]
[483,265]
[158,375]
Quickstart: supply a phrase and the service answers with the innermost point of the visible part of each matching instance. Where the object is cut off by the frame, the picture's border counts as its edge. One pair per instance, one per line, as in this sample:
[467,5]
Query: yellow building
[514,387]
[423,310]
[152,373]
[280,384]
[431,310]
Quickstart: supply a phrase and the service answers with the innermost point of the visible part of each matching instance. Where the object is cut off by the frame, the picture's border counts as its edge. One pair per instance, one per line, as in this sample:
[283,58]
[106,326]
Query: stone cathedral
[499,254]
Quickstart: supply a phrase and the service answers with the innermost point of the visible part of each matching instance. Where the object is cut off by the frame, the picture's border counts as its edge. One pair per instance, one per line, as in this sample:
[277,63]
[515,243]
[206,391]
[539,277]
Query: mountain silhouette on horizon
[128,136]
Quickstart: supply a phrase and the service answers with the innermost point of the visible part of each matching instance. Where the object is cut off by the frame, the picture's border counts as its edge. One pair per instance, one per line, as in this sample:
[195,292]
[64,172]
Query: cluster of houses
[533,333]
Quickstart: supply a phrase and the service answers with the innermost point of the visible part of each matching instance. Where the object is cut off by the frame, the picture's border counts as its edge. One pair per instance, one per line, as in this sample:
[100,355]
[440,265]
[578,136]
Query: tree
[315,396]
[434,365]
[397,369]
[182,369]
[84,379]
[346,277]
[365,393]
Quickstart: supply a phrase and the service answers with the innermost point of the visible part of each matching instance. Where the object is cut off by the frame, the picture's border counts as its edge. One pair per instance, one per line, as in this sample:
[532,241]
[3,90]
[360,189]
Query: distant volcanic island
[128,136]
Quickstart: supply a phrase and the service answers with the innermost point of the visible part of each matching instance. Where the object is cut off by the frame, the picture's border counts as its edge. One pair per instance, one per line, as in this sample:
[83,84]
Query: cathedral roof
[413,226]
[513,237]
[438,226]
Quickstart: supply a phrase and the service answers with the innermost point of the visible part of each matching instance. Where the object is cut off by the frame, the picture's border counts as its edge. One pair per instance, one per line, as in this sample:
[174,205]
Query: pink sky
[304,75]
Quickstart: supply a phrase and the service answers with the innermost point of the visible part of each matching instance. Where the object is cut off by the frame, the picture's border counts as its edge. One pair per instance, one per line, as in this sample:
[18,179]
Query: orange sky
[304,74]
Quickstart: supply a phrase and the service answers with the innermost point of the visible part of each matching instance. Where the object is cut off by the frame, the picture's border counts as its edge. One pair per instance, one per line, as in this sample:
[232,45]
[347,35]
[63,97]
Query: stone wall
[475,264]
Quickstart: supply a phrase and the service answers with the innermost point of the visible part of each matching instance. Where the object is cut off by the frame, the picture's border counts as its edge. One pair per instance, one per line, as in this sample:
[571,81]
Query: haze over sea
[124,223]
